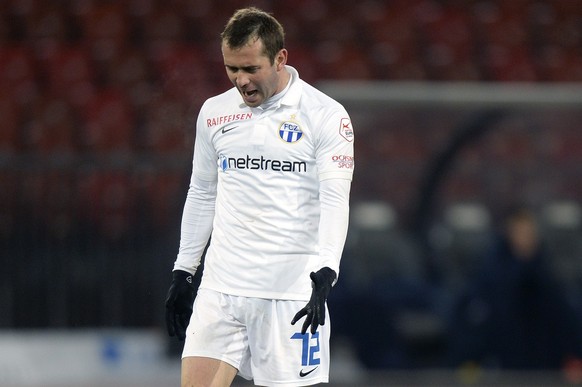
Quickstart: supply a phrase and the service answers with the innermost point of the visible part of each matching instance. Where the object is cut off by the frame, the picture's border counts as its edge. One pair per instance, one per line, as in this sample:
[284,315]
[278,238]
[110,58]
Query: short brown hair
[253,23]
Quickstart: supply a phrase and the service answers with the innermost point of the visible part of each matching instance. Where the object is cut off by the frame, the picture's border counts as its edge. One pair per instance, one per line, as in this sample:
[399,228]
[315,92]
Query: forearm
[197,219]
[334,219]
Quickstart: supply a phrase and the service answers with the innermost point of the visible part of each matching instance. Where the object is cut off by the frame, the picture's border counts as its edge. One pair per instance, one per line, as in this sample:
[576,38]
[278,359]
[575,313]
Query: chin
[254,104]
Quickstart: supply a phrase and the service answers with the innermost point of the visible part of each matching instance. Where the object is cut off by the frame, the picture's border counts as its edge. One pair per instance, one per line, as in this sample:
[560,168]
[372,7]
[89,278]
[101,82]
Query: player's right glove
[179,303]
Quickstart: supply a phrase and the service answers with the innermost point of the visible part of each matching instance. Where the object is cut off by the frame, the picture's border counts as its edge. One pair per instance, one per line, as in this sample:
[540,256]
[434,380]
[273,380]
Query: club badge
[290,131]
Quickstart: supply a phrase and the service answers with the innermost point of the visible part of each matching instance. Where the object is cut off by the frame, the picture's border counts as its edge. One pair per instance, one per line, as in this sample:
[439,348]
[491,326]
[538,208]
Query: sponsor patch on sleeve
[346,130]
[343,161]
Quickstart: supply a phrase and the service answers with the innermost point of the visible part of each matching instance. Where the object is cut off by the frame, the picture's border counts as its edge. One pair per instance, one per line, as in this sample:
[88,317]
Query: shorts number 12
[308,351]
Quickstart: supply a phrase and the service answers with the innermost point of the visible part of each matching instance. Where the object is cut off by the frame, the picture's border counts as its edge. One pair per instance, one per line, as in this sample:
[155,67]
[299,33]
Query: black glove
[179,303]
[315,308]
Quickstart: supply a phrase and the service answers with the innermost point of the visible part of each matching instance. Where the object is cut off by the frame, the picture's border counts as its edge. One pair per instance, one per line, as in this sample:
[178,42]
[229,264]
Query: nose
[241,79]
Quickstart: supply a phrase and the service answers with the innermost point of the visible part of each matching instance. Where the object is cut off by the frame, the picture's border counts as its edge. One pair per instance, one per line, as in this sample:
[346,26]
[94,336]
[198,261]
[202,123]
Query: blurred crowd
[126,78]
[97,107]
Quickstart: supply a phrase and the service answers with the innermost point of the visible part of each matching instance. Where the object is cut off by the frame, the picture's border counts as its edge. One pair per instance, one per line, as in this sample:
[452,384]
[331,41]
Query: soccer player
[272,168]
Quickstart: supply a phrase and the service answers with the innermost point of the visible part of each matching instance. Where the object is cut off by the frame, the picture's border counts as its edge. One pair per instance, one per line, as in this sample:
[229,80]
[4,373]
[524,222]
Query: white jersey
[268,163]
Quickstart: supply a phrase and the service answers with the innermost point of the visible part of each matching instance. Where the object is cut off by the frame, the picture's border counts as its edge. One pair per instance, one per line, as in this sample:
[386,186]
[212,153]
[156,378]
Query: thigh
[280,353]
[205,371]
[214,333]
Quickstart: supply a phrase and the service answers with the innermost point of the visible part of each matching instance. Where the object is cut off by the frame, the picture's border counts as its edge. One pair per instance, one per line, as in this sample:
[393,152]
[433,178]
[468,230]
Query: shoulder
[222,102]
[222,110]
[324,113]
[318,98]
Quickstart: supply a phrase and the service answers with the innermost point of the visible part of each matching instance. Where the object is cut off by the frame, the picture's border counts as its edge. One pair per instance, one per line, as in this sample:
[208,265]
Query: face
[251,71]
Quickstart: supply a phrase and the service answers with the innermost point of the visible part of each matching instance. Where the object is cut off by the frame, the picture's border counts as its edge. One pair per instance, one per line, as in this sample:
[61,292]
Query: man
[525,321]
[272,168]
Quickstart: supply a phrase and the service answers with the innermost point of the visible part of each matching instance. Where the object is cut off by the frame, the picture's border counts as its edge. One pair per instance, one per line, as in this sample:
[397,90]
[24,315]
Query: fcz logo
[309,351]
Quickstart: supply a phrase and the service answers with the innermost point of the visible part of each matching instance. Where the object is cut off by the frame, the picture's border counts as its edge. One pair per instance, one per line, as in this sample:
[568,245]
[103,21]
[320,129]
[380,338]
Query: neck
[283,80]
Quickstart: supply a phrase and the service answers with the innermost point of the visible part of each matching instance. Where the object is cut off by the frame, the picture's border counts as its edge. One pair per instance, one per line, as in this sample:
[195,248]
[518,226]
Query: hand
[314,311]
[179,303]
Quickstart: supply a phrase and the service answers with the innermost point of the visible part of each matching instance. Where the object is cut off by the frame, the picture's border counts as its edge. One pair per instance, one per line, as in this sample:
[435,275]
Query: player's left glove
[179,303]
[314,311]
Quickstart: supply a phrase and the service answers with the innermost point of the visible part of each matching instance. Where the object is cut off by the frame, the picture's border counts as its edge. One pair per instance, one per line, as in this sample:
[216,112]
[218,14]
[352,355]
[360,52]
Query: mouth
[250,93]
[251,97]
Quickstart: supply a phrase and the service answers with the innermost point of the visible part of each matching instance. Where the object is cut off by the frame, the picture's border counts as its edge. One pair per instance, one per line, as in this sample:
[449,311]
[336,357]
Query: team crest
[290,131]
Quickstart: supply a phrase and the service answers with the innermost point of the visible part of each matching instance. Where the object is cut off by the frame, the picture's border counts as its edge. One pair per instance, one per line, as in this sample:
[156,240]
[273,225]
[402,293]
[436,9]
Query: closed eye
[246,69]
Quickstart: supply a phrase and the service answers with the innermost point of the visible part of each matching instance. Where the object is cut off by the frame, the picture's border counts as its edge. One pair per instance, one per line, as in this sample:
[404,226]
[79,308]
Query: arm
[196,228]
[335,161]
[333,228]
[197,221]
[333,222]
[198,213]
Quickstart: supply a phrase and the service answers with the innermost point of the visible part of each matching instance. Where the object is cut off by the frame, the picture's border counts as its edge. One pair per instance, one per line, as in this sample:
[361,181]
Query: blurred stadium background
[461,109]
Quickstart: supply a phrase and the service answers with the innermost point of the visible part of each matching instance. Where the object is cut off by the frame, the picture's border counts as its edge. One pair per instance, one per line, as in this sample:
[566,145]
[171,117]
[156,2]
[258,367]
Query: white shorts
[255,336]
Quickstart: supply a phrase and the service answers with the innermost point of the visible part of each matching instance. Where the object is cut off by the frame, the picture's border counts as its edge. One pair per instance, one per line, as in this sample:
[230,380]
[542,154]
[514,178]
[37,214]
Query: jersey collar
[293,94]
[291,98]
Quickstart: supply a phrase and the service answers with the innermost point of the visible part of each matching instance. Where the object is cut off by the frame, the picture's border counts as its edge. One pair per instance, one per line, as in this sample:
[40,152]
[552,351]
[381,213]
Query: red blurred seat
[451,26]
[18,73]
[343,61]
[132,71]
[309,12]
[303,60]
[501,23]
[51,126]
[168,126]
[505,63]
[448,42]
[71,74]
[503,34]
[394,49]
[182,71]
[109,121]
[203,20]
[395,26]
[106,30]
[46,21]
[558,64]
[395,62]
[163,24]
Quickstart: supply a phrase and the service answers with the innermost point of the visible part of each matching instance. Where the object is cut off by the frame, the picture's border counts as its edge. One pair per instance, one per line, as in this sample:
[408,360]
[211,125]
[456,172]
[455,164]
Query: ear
[281,59]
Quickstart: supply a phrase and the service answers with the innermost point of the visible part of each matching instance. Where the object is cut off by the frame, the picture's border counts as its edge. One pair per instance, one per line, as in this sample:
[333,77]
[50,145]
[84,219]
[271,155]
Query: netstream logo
[261,163]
